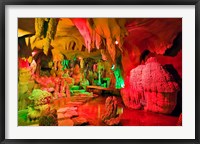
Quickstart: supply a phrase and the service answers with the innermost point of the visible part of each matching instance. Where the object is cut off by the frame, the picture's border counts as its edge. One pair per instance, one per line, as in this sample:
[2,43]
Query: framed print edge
[2,72]
[125,141]
[197,71]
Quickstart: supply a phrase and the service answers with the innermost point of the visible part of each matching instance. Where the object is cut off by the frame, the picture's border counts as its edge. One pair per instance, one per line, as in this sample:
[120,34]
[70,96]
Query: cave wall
[138,39]
[155,35]
[159,38]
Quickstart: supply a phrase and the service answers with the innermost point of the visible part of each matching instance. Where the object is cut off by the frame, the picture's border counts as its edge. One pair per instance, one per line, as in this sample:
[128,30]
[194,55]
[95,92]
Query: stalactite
[52,26]
[49,34]
[51,31]
[39,27]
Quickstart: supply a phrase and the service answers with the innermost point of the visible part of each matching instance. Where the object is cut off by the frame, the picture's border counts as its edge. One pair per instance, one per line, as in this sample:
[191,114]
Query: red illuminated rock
[67,112]
[113,121]
[78,121]
[84,29]
[156,35]
[111,108]
[179,123]
[111,116]
[152,87]
[65,122]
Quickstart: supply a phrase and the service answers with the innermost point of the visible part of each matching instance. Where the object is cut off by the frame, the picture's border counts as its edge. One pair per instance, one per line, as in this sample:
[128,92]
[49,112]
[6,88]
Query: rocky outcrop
[67,112]
[40,104]
[150,87]
[25,85]
[179,122]
[69,116]
[50,119]
[111,116]
[156,35]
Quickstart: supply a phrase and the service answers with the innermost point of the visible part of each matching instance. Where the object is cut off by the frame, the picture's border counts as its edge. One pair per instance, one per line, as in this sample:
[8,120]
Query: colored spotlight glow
[33,53]
[116,42]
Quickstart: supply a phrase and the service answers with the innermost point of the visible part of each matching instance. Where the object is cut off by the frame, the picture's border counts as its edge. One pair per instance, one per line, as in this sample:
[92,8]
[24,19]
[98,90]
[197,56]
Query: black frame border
[3,3]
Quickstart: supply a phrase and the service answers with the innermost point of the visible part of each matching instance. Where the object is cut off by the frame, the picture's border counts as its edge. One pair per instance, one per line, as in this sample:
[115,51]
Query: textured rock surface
[49,119]
[179,122]
[155,35]
[67,112]
[79,121]
[111,117]
[65,122]
[111,108]
[40,104]
[151,87]
[25,85]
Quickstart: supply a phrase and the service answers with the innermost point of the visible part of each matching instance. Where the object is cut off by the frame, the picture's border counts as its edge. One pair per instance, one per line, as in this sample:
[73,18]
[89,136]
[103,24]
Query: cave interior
[99,71]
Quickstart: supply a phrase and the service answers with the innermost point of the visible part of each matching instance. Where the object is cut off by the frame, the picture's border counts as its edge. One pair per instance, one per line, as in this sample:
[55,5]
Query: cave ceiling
[96,37]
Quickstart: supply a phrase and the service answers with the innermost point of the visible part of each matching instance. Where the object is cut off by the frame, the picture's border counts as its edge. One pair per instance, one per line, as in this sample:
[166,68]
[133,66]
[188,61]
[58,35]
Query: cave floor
[91,109]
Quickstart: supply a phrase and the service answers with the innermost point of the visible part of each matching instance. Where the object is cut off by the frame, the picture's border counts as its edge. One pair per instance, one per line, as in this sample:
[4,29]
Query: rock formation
[151,87]
[111,116]
[25,84]
[40,107]
[179,122]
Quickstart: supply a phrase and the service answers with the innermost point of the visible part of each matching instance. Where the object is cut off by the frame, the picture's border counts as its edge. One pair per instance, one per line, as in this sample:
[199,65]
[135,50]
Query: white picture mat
[187,131]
